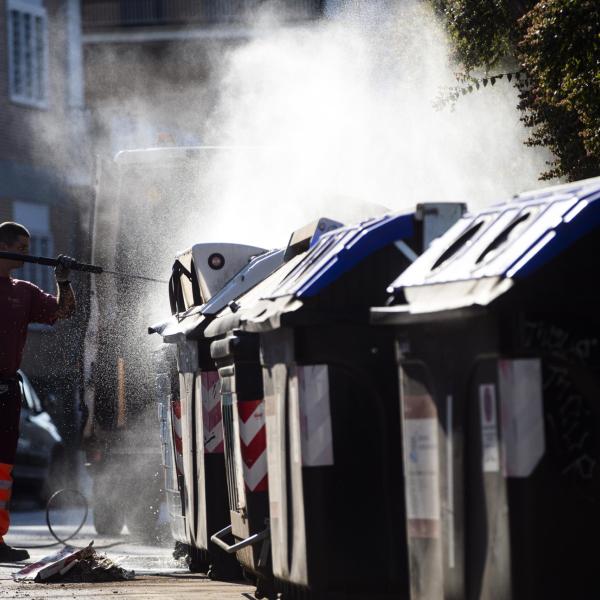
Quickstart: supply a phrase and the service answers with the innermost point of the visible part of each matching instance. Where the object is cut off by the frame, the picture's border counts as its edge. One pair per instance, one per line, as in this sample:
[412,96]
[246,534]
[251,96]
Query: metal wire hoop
[52,499]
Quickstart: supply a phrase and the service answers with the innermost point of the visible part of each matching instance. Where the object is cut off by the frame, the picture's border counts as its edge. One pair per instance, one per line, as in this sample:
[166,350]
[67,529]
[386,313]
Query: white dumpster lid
[489,251]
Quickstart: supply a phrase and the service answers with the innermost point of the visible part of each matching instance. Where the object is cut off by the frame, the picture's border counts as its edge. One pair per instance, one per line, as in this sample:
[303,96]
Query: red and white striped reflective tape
[212,418]
[253,437]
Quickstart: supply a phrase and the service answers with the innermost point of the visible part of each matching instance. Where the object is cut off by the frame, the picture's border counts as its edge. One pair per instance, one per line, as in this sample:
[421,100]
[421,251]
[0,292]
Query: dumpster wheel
[198,561]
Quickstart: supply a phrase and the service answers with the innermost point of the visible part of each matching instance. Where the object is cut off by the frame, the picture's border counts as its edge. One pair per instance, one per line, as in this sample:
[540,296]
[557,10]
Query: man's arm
[65,296]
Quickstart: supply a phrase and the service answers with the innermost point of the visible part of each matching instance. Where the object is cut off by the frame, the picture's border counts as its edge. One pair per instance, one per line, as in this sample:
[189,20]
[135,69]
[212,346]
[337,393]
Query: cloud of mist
[338,114]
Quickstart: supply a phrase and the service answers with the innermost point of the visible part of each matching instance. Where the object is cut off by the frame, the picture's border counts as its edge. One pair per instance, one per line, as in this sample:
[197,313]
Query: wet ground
[158,575]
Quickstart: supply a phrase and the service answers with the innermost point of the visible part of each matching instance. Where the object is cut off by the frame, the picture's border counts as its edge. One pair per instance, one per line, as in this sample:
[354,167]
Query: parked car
[39,465]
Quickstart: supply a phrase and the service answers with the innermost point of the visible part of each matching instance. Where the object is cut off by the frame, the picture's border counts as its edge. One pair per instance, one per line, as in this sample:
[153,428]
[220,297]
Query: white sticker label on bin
[312,383]
[490,449]
[523,438]
[422,468]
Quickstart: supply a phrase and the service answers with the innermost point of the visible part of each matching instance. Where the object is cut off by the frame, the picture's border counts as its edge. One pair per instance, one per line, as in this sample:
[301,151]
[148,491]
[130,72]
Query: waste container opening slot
[458,244]
[506,236]
[231,549]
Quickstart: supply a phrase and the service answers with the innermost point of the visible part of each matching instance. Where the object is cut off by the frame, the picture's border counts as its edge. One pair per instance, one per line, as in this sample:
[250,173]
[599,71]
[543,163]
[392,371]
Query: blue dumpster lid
[486,252]
[338,251]
[307,274]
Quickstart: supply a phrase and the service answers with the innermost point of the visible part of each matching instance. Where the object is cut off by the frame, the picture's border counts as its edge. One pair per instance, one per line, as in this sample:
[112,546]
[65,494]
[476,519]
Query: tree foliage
[556,44]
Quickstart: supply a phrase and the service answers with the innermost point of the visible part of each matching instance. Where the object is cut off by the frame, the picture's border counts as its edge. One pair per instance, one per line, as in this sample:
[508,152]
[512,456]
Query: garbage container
[498,331]
[332,416]
[204,280]
[169,416]
[236,355]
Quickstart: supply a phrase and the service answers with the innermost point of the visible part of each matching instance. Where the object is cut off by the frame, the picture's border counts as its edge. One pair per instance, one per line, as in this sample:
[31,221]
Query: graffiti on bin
[560,343]
[212,418]
[569,387]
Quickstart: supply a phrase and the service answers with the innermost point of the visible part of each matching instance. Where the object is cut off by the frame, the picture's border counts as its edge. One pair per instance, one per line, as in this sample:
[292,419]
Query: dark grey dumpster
[332,417]
[498,338]
[236,355]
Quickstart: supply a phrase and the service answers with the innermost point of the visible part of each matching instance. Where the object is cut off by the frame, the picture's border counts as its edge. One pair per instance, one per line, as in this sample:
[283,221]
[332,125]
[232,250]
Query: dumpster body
[204,280]
[497,332]
[236,355]
[332,419]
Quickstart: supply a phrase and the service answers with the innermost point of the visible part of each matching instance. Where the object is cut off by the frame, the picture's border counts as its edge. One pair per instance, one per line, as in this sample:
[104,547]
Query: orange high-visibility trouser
[5,490]
[10,410]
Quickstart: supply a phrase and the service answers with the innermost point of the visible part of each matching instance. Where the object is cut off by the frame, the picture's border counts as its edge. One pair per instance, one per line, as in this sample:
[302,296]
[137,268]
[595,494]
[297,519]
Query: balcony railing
[147,13]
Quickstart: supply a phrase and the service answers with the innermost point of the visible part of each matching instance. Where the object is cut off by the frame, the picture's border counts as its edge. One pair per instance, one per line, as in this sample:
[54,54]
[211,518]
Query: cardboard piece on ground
[52,564]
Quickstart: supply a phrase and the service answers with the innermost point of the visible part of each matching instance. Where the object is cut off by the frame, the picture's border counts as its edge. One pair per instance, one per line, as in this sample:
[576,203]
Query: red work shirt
[21,303]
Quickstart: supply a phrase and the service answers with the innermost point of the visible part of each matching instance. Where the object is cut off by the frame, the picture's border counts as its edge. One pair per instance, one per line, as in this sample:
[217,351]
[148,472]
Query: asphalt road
[158,575]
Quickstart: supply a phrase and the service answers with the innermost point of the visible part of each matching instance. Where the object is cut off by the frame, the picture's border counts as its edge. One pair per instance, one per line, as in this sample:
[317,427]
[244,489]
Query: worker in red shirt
[21,303]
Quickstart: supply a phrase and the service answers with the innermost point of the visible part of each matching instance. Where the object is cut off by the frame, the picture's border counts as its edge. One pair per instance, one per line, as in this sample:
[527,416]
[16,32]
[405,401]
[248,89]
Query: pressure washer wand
[74,265]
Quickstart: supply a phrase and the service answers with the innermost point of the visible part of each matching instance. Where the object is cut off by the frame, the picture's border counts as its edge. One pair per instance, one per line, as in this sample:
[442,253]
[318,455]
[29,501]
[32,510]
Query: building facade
[151,65]
[45,167]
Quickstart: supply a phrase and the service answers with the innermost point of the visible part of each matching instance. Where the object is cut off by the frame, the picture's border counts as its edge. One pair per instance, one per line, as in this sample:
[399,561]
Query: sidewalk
[158,575]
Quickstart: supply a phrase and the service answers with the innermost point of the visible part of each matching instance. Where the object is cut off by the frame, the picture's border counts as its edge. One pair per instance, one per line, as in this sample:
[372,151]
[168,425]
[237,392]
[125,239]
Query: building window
[36,217]
[27,53]
[39,245]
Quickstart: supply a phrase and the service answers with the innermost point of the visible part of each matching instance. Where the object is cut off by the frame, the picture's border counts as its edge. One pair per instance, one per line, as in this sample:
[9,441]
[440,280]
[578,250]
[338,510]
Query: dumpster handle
[249,541]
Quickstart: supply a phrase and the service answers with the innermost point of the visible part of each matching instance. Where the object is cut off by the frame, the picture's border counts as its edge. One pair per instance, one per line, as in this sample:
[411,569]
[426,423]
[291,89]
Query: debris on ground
[74,565]
[94,568]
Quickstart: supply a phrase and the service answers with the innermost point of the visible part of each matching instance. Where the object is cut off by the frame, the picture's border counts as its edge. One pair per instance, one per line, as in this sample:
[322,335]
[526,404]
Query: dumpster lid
[486,252]
[259,268]
[247,278]
[186,324]
[401,315]
[255,300]
[252,302]
[339,251]
[306,237]
[216,263]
